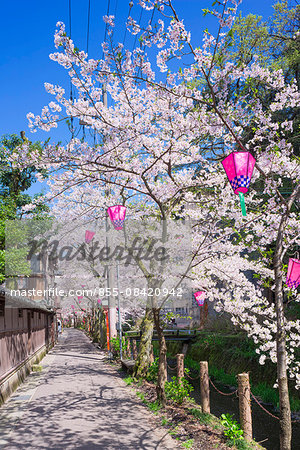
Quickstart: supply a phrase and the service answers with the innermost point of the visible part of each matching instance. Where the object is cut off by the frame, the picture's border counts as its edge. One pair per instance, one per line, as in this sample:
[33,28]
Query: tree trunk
[284,402]
[102,330]
[162,365]
[143,360]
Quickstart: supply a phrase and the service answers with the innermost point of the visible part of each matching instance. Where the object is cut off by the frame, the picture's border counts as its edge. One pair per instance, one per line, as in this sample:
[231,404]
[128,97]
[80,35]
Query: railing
[172,332]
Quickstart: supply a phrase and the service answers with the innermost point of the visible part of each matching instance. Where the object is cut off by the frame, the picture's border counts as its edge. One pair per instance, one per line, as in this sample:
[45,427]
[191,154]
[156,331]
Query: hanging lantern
[117,216]
[293,273]
[99,301]
[200,297]
[80,297]
[89,236]
[239,167]
[72,306]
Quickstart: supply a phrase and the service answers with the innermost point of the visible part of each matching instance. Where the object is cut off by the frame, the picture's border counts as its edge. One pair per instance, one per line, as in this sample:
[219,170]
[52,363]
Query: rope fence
[193,378]
[268,412]
[227,394]
[171,368]
[243,393]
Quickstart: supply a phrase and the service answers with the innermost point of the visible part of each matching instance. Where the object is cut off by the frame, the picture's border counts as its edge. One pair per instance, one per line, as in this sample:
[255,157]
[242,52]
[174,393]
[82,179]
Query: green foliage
[115,345]
[129,380]
[14,183]
[140,395]
[205,419]
[174,431]
[153,406]
[242,444]
[228,355]
[153,371]
[178,389]
[188,444]
[164,421]
[232,429]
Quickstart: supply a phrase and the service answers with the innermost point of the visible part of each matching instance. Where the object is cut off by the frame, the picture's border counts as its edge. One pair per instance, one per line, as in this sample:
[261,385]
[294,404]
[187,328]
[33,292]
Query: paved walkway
[78,402]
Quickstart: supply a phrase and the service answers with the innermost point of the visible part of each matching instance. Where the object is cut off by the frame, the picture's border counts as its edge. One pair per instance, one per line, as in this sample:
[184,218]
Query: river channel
[265,427]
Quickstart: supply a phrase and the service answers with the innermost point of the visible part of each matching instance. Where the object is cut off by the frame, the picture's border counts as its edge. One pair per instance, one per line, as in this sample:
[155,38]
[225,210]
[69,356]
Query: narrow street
[77,402]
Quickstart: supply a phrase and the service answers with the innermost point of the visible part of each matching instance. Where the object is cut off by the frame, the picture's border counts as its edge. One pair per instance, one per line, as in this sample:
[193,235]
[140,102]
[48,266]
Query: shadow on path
[79,403]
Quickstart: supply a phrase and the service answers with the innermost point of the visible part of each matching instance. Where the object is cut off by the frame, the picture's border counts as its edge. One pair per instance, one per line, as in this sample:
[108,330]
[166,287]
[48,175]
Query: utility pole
[110,278]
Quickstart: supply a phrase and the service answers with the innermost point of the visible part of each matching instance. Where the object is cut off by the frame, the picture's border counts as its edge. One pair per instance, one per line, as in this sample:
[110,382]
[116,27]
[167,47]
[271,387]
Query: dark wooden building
[27,331]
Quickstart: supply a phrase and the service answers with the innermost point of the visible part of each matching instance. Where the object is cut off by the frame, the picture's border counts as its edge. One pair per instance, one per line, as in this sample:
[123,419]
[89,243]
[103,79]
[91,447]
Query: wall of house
[22,333]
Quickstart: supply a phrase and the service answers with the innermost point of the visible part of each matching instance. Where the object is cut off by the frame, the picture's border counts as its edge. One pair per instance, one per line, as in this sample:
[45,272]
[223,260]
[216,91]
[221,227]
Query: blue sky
[26,34]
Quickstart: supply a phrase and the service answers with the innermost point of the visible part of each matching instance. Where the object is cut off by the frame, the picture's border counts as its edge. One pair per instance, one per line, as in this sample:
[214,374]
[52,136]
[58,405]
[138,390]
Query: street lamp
[117,216]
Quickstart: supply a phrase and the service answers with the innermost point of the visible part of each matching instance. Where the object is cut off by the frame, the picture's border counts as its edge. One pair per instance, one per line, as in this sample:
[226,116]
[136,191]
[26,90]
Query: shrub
[178,389]
[153,371]
[232,429]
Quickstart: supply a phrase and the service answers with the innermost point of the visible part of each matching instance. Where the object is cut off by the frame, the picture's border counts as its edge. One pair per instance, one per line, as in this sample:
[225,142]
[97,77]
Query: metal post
[110,275]
[119,312]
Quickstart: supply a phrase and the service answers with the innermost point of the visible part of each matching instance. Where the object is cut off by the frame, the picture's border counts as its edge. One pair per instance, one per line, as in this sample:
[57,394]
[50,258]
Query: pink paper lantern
[72,306]
[293,273]
[99,300]
[79,297]
[89,236]
[117,216]
[239,167]
[200,297]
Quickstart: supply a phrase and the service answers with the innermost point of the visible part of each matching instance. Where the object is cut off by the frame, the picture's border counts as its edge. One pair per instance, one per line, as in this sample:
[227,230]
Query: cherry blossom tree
[159,147]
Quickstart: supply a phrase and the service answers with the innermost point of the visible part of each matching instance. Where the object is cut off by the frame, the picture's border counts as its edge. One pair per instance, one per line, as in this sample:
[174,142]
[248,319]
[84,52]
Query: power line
[139,69]
[116,9]
[70,21]
[139,25]
[130,6]
[88,27]
[106,25]
[71,127]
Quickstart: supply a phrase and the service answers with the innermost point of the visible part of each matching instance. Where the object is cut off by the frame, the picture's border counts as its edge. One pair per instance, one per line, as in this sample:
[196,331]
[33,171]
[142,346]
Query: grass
[241,445]
[164,421]
[270,395]
[153,406]
[129,380]
[188,444]
[206,419]
[214,422]
[174,431]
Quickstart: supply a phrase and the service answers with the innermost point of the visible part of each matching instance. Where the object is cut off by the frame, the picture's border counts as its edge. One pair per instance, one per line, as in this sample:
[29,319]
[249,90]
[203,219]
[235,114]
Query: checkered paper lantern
[200,297]
[293,273]
[89,236]
[239,167]
[117,216]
